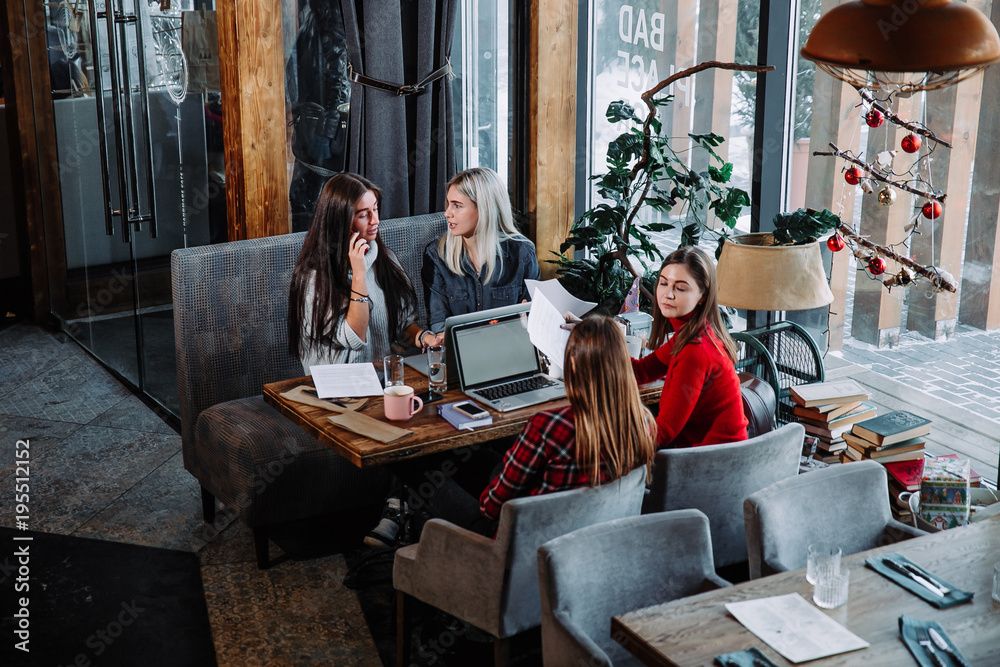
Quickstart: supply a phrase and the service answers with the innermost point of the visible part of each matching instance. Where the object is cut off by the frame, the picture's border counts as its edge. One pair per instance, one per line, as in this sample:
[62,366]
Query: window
[627,47]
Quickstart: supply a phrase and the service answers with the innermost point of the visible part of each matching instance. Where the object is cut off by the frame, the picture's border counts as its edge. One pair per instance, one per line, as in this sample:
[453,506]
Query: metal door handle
[101,119]
[116,104]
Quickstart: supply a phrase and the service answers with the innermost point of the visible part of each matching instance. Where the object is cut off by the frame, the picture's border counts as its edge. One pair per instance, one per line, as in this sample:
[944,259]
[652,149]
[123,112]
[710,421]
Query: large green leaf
[620,110]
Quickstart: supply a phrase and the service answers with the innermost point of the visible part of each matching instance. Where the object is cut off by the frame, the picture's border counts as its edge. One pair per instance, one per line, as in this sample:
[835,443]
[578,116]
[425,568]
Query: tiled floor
[105,466]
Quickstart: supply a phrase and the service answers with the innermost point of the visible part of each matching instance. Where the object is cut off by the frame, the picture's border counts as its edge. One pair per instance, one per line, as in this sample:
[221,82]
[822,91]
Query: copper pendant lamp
[903,46]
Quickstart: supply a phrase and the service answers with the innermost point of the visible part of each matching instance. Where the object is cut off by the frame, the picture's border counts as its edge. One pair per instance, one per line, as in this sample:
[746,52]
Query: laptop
[499,366]
[418,362]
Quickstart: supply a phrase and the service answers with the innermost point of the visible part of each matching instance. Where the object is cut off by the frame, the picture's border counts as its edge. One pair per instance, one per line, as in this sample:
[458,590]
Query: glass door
[136,129]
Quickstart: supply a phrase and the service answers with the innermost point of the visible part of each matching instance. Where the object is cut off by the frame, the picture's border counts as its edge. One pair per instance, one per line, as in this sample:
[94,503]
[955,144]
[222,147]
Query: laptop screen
[492,350]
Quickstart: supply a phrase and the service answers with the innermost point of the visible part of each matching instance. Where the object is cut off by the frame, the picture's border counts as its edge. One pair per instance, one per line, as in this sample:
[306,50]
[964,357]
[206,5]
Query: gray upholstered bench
[231,329]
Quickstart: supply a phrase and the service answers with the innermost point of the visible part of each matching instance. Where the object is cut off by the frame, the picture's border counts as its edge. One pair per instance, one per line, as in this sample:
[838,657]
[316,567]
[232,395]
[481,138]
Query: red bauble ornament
[853,175]
[876,265]
[910,143]
[874,118]
[835,243]
[931,210]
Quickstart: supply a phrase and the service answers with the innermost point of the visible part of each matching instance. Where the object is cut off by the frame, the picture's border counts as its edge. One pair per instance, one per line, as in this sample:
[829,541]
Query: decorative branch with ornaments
[879,174]
[806,224]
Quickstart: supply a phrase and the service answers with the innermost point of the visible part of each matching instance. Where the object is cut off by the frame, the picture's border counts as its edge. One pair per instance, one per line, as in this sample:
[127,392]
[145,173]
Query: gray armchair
[716,479]
[612,568]
[231,337]
[846,504]
[493,583]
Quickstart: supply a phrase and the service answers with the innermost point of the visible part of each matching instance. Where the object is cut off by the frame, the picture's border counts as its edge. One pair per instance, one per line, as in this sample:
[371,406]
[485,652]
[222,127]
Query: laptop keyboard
[516,387]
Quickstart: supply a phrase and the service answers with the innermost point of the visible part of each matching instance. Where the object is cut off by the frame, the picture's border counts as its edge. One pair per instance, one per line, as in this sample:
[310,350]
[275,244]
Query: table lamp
[756,275]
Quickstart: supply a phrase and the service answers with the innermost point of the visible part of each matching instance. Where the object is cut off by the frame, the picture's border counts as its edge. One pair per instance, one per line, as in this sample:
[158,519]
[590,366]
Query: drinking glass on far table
[822,558]
[437,373]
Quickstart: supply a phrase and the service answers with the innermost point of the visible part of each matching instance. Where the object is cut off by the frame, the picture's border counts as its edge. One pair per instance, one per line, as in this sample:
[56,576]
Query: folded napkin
[307,395]
[953,597]
[913,631]
[752,657]
[370,427]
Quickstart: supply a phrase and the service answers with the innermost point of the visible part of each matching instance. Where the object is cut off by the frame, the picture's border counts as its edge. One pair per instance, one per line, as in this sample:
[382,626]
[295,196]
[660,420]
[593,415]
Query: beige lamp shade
[755,274]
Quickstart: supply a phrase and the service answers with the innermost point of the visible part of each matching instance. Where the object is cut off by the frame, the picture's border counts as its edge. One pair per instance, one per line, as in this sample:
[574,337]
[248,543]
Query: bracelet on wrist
[363,296]
[420,338]
[363,299]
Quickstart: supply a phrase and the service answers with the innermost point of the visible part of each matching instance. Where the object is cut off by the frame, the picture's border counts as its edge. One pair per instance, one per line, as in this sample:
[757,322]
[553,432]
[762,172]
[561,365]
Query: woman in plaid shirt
[603,434]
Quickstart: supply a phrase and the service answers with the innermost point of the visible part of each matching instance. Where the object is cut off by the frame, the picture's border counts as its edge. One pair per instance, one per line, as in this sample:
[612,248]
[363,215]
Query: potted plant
[611,241]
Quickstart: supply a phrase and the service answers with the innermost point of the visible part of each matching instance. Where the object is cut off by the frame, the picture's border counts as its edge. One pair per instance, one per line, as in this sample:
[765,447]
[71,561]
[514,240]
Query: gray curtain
[404,144]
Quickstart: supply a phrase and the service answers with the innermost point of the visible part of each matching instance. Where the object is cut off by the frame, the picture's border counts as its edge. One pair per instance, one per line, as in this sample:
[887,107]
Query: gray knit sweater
[352,349]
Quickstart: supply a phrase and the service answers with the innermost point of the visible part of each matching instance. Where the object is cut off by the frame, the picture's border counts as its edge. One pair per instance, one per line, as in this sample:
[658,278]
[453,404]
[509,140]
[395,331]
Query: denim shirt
[447,294]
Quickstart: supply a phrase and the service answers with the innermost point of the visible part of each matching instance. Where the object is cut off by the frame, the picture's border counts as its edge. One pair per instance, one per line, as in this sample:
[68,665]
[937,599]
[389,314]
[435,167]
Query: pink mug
[401,403]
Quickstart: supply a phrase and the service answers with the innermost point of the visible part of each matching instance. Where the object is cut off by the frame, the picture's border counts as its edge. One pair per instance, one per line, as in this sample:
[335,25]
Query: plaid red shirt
[541,461]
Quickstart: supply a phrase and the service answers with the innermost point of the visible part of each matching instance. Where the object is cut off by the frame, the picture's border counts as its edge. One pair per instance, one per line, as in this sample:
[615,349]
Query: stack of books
[896,436]
[829,409]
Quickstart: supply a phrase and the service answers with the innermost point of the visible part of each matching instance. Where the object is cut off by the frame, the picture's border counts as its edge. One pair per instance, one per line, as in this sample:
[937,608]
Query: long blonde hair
[613,427]
[705,315]
[496,221]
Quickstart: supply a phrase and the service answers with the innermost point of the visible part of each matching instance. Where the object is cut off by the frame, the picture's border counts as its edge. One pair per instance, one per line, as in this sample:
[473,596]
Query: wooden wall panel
[36,152]
[953,114]
[253,109]
[552,125]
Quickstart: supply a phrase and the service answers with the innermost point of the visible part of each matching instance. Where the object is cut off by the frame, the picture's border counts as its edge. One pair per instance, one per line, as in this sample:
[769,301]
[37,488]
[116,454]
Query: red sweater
[701,402]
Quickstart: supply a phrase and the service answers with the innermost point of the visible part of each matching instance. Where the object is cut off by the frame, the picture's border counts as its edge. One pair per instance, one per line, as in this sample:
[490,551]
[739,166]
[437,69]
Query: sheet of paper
[345,380]
[794,628]
[559,297]
[544,320]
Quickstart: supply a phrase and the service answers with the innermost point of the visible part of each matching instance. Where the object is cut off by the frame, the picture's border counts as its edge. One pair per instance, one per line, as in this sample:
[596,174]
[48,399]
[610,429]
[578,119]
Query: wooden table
[692,631]
[431,432]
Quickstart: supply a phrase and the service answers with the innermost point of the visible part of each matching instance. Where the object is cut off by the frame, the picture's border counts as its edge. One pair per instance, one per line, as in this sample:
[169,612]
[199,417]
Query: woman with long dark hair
[701,402]
[349,299]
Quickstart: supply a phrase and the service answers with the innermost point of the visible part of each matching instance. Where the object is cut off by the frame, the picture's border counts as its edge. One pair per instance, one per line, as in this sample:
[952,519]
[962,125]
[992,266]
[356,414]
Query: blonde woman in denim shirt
[482,261]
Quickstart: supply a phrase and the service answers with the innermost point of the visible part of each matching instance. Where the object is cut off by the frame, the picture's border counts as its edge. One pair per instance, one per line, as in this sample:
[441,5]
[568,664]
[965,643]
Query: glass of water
[437,373]
[822,558]
[831,589]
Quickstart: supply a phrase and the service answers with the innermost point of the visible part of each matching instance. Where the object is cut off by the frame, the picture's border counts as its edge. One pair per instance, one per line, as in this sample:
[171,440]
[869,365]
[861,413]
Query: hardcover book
[826,413]
[907,473]
[911,445]
[862,412]
[901,456]
[824,393]
[862,443]
[892,427]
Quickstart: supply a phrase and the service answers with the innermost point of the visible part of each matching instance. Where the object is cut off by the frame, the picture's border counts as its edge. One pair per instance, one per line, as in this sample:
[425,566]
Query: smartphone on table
[470,410]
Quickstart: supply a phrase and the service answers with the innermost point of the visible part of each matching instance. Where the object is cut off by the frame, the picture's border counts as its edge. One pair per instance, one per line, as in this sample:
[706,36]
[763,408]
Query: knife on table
[888,562]
[921,572]
[943,644]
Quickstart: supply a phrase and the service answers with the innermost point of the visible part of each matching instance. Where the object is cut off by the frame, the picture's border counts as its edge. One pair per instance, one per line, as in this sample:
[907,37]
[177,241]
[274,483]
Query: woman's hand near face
[356,254]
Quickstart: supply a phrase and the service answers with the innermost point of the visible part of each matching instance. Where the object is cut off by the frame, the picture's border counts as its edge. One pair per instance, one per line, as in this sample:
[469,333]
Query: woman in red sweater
[700,403]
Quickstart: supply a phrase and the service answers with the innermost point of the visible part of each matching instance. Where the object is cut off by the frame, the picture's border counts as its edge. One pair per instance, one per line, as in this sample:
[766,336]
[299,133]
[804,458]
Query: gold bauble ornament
[886,196]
